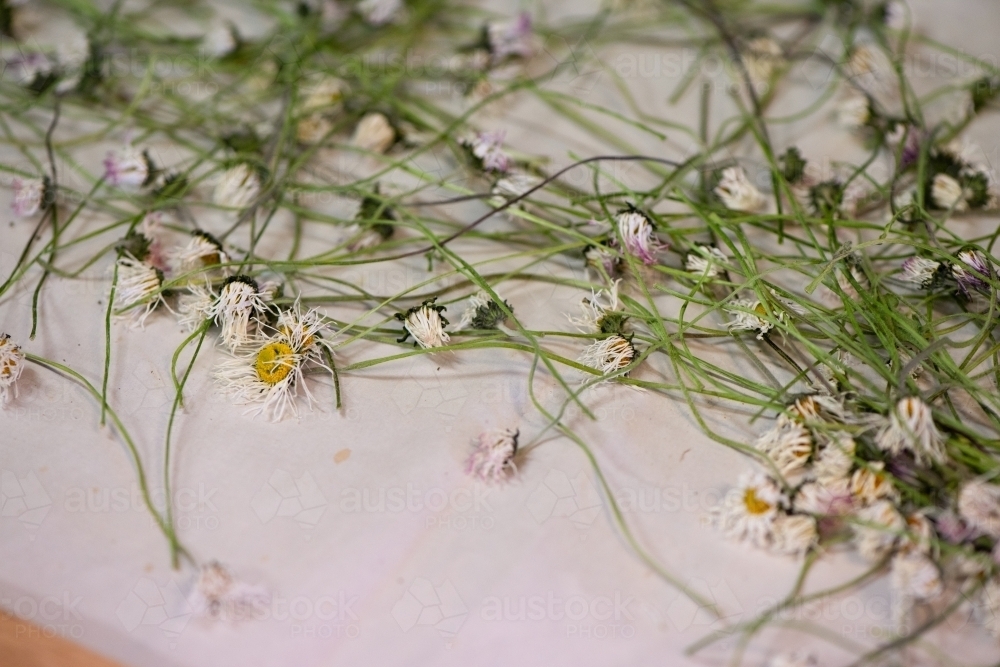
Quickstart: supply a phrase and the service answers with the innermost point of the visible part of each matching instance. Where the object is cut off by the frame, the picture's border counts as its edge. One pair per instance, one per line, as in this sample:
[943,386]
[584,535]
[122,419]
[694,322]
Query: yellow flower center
[274,362]
[754,504]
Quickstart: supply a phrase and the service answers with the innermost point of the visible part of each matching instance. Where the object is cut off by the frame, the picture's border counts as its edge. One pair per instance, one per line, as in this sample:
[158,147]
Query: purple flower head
[486,147]
[512,40]
[973,273]
[28,196]
[952,528]
[636,232]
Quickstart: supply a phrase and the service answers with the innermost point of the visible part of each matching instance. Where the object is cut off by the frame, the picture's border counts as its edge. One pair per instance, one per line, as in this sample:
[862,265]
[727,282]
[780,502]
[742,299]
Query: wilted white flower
[855,111]
[201,252]
[608,355]
[793,534]
[426,324]
[749,316]
[737,192]
[219,595]
[374,133]
[707,261]
[637,235]
[138,287]
[835,458]
[914,578]
[486,147]
[268,373]
[870,484]
[748,511]
[482,312]
[832,498]
[195,306]
[379,12]
[600,312]
[26,68]
[493,459]
[947,193]
[895,14]
[11,366]
[878,528]
[312,129]
[513,185]
[238,187]
[761,57]
[979,505]
[220,40]
[919,533]
[238,306]
[788,444]
[921,271]
[326,95]
[128,167]
[28,196]
[911,427]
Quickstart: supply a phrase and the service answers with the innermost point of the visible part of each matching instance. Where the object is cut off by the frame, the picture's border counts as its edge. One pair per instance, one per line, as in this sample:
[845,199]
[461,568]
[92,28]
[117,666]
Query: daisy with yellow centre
[749,511]
[268,373]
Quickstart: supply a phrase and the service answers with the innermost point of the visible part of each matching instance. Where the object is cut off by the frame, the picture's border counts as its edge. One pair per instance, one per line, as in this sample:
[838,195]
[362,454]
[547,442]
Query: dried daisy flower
[219,595]
[239,304]
[919,533]
[869,484]
[855,111]
[374,133]
[979,506]
[11,366]
[761,57]
[748,511]
[835,458]
[793,534]
[379,12]
[601,313]
[195,306]
[707,261]
[926,273]
[268,373]
[609,355]
[483,312]
[201,252]
[879,526]
[238,187]
[749,316]
[947,193]
[914,578]
[29,193]
[911,427]
[326,95]
[788,444]
[737,192]
[312,129]
[973,272]
[493,459]
[636,232]
[513,185]
[128,168]
[830,498]
[139,286]
[486,149]
[426,324]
